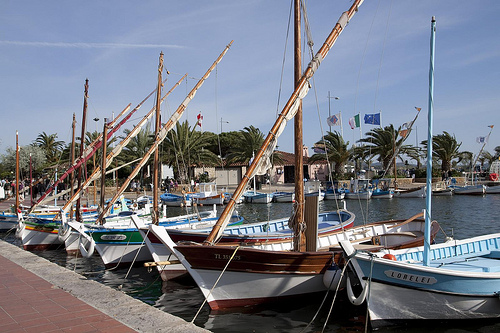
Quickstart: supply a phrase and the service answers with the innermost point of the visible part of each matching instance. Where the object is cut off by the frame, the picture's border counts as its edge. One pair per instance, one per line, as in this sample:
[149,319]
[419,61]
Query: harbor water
[459,217]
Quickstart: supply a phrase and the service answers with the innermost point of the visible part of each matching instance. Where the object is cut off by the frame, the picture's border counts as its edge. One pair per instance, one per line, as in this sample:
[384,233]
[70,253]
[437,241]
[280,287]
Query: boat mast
[427,233]
[17,173]
[82,143]
[155,214]
[31,183]
[299,239]
[103,164]
[72,175]
[480,152]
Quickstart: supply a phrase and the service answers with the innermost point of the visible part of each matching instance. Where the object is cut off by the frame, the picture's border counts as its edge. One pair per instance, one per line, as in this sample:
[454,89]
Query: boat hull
[39,238]
[358,195]
[470,190]
[210,200]
[389,304]
[334,196]
[413,193]
[254,276]
[283,197]
[461,281]
[258,198]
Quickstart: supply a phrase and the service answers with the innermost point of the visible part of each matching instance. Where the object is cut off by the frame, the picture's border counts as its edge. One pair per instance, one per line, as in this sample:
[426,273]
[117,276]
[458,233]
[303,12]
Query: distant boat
[176,200]
[495,189]
[441,189]
[333,191]
[334,194]
[228,196]
[257,197]
[443,192]
[208,195]
[382,190]
[283,196]
[359,190]
[469,189]
[418,192]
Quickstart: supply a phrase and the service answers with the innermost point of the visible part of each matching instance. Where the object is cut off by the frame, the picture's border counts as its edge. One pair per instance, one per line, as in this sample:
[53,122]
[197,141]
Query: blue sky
[379,63]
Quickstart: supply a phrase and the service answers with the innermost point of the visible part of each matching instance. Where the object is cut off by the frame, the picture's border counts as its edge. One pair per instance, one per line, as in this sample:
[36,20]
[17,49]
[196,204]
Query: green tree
[445,148]
[335,149]
[184,148]
[382,143]
[246,144]
[51,147]
[497,152]
[38,160]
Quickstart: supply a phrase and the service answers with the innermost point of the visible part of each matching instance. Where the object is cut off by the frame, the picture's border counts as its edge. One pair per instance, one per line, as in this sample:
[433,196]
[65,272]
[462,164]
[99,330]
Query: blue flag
[372,119]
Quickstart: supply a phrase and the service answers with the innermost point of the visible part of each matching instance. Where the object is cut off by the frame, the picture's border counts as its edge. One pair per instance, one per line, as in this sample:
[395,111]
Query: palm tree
[184,147]
[497,152]
[248,141]
[50,145]
[335,152]
[486,157]
[445,148]
[246,144]
[382,143]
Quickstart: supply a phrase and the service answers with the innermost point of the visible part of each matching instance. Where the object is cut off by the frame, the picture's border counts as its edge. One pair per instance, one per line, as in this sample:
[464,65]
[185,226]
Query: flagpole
[360,131]
[341,125]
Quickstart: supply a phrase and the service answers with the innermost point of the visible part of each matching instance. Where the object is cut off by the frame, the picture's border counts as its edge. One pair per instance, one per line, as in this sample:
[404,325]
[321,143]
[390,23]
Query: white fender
[87,253]
[64,229]
[331,278]
[20,228]
[350,294]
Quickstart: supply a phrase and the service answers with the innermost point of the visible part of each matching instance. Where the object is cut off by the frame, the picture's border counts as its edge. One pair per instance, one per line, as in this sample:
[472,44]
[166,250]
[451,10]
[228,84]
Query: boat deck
[479,262]
[489,262]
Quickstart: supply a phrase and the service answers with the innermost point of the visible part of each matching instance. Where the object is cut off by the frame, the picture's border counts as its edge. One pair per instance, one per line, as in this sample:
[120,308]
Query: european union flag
[372,119]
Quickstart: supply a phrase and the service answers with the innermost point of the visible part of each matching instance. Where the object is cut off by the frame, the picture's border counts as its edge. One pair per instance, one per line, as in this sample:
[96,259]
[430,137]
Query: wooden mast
[299,239]
[72,175]
[82,143]
[103,165]
[17,173]
[155,214]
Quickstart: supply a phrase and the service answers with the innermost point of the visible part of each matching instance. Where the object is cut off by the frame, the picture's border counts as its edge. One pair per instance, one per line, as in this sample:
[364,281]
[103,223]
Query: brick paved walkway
[28,303]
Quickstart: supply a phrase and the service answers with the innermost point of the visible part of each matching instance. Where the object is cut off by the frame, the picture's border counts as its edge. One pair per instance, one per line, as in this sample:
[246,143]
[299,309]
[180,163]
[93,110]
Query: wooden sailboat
[253,276]
[455,280]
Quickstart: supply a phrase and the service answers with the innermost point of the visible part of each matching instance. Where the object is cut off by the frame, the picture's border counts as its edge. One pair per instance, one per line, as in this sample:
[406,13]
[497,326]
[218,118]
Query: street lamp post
[329,112]
[221,121]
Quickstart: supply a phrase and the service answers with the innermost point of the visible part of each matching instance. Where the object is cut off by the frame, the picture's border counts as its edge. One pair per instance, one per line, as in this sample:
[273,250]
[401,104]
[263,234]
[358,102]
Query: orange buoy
[389,256]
